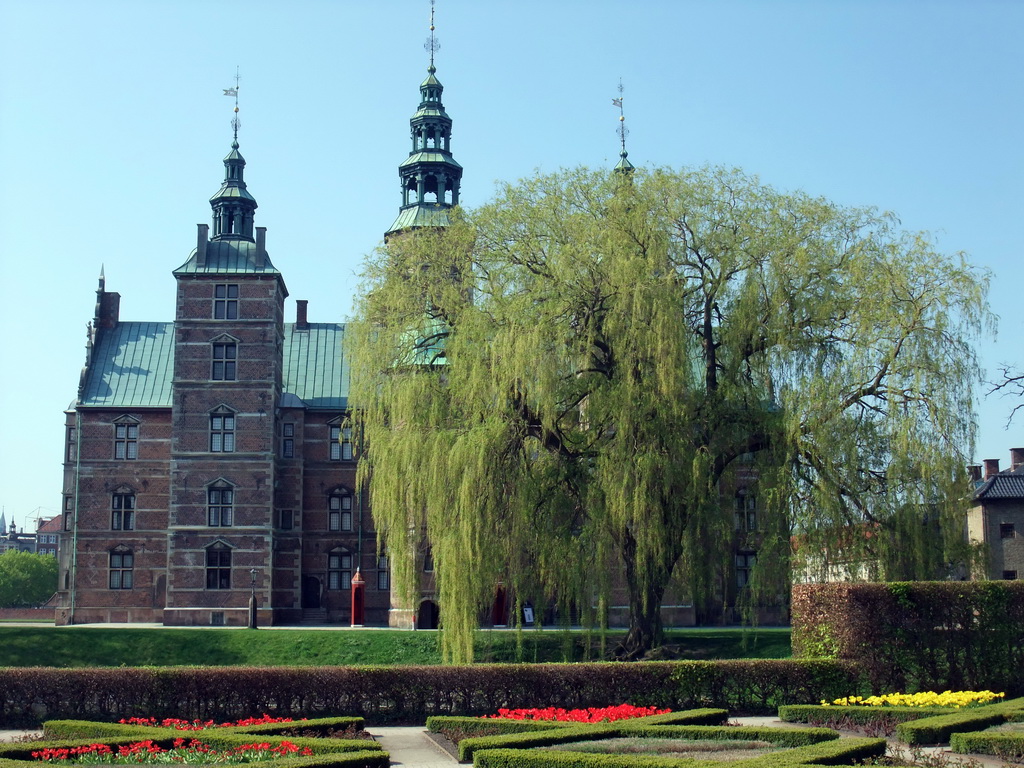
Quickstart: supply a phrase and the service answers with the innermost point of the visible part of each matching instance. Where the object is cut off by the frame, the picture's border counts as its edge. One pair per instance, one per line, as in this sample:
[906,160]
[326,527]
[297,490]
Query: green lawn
[114,647]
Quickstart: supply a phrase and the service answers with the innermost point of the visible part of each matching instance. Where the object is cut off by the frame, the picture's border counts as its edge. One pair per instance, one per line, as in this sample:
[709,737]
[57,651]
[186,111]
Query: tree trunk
[645,596]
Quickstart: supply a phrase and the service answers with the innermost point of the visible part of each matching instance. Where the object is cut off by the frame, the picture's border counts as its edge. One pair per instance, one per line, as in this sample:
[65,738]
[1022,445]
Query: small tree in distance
[26,579]
[552,387]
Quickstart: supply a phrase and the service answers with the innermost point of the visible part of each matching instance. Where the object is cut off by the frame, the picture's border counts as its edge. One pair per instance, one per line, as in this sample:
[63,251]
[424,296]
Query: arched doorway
[427,616]
[310,592]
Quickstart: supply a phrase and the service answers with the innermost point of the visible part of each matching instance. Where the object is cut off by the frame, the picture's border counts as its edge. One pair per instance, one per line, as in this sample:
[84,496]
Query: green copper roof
[132,366]
[228,257]
[428,157]
[314,369]
[427,215]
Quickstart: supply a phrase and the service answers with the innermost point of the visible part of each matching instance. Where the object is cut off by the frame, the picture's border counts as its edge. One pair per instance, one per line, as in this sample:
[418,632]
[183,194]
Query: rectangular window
[1009,575]
[225,302]
[126,441]
[339,570]
[341,444]
[287,519]
[121,564]
[72,443]
[122,512]
[218,568]
[428,561]
[339,517]
[287,441]
[220,503]
[1007,531]
[744,566]
[222,433]
[224,360]
[383,573]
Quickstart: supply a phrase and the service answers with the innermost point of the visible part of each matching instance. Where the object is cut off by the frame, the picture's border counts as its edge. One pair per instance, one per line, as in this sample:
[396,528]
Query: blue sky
[113,127]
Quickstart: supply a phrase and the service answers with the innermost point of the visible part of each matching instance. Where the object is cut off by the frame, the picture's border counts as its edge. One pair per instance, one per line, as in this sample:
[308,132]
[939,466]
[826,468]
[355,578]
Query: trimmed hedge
[917,636]
[455,729]
[833,715]
[1004,745]
[792,737]
[830,753]
[938,729]
[28,696]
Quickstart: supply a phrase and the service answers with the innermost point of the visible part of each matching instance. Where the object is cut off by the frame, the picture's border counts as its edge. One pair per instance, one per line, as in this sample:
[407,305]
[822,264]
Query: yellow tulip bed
[949,699]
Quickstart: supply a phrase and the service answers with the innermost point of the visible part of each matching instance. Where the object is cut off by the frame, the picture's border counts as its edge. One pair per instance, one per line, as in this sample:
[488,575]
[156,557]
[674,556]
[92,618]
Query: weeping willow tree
[552,388]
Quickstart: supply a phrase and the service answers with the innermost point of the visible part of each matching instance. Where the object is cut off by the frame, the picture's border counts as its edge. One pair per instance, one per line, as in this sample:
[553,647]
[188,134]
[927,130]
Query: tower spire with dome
[430,176]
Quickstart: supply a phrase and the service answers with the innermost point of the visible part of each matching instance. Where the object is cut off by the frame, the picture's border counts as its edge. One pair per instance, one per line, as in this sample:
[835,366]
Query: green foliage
[63,646]
[553,387]
[918,635]
[845,751]
[26,579]
[408,694]
[835,716]
[790,737]
[455,729]
[938,729]
[1006,746]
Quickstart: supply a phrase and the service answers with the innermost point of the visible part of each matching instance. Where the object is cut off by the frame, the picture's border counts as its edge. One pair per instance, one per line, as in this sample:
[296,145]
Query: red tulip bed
[589,715]
[334,742]
[182,751]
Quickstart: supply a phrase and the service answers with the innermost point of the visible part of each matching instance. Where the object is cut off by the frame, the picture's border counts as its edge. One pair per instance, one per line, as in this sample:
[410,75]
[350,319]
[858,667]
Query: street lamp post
[252,599]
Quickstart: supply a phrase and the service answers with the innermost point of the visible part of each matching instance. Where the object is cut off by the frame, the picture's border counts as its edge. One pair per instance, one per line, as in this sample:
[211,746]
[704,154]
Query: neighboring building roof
[236,257]
[313,365]
[53,525]
[132,365]
[1006,485]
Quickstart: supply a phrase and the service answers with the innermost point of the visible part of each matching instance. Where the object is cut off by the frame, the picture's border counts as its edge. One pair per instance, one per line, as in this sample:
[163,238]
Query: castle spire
[233,206]
[623,166]
[430,176]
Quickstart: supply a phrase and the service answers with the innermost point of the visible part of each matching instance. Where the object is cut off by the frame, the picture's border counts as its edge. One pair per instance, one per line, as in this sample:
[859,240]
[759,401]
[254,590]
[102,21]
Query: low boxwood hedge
[830,753]
[330,753]
[790,737]
[939,728]
[1004,745]
[455,729]
[835,715]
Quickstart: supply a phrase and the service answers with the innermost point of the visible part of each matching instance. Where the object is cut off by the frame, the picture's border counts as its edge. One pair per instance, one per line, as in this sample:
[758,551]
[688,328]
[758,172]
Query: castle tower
[430,176]
[227,381]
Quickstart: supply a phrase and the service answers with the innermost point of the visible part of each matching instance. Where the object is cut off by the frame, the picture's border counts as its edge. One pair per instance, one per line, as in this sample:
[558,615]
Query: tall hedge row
[409,694]
[931,635]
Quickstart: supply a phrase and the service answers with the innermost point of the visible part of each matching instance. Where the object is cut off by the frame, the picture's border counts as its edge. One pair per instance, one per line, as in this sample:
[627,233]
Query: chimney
[301,323]
[1016,457]
[202,238]
[261,247]
[991,468]
[974,471]
[110,309]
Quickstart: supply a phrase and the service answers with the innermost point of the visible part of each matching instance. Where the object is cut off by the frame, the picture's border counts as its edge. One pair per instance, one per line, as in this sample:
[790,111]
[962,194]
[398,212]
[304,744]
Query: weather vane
[235,123]
[432,45]
[622,130]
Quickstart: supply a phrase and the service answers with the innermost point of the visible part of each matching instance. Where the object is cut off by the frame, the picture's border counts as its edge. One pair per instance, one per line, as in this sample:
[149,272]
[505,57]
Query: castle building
[208,459]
